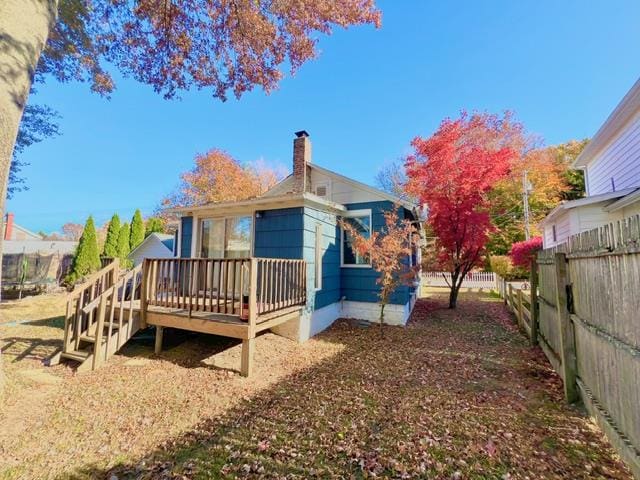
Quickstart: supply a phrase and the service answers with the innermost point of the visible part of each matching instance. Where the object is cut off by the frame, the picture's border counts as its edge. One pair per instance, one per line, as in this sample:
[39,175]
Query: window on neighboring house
[361,221]
[553,233]
[318,258]
[226,237]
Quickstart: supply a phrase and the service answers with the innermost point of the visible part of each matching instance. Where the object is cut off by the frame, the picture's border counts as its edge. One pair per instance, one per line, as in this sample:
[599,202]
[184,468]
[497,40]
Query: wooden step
[77,355]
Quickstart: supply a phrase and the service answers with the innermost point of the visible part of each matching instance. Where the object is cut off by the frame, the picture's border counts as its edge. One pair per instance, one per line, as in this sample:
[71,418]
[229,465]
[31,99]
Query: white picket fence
[471,280]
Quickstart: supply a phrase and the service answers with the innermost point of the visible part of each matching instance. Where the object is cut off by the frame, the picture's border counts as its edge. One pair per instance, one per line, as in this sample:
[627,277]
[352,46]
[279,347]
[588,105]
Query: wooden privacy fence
[471,279]
[584,312]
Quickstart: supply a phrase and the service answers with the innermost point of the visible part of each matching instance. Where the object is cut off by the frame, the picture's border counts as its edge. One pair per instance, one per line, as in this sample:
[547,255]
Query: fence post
[567,338]
[533,302]
[509,297]
[520,315]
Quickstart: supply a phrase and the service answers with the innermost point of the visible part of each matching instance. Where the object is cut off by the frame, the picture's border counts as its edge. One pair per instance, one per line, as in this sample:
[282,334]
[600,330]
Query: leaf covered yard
[456,394]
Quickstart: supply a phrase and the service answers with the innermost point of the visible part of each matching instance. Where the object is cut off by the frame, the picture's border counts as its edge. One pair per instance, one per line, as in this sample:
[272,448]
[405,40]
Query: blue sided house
[297,220]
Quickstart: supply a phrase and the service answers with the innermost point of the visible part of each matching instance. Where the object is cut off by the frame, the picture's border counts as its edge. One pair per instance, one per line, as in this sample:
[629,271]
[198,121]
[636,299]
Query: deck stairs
[102,315]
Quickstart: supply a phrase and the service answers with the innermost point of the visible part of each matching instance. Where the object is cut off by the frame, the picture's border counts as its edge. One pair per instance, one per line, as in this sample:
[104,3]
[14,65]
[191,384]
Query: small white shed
[156,245]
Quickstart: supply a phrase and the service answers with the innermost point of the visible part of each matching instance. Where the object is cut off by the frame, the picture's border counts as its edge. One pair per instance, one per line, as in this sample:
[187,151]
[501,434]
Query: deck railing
[239,286]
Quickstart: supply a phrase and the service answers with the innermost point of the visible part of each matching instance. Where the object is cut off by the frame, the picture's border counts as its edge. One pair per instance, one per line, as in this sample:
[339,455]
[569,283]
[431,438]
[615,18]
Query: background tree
[172,46]
[86,259]
[137,230]
[73,231]
[548,170]
[217,177]
[38,123]
[111,241]
[388,250]
[453,172]
[392,178]
[123,244]
[154,225]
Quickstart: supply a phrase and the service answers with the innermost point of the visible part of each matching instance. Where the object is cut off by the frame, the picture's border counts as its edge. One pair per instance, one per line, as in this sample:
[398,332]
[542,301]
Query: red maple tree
[452,172]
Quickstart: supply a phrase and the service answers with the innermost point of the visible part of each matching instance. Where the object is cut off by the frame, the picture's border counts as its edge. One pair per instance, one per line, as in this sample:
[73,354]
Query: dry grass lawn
[456,394]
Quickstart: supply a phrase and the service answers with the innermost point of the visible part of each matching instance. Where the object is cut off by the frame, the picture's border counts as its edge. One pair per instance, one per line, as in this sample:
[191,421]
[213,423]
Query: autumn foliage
[218,177]
[388,251]
[522,253]
[453,172]
[173,46]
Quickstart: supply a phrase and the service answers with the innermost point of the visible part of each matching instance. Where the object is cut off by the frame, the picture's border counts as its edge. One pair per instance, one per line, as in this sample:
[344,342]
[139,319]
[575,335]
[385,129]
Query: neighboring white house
[156,245]
[611,165]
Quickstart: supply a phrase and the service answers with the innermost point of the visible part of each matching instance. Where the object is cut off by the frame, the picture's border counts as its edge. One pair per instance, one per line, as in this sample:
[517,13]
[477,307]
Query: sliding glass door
[226,237]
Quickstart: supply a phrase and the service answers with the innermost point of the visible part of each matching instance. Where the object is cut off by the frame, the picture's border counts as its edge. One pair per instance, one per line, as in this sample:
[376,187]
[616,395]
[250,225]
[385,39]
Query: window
[226,237]
[553,233]
[318,258]
[361,221]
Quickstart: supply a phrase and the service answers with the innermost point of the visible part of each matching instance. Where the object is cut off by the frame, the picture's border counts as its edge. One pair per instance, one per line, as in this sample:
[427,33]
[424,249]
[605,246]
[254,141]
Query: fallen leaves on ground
[456,394]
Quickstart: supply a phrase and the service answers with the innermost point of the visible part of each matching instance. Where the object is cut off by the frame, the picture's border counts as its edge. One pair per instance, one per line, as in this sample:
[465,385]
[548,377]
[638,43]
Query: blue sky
[562,66]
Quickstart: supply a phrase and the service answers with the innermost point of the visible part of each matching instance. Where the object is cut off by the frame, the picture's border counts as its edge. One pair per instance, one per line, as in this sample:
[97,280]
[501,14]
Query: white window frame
[224,218]
[351,214]
[318,258]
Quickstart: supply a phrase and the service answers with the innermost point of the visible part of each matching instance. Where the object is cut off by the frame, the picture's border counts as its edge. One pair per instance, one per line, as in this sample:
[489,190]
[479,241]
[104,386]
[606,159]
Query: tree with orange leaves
[548,171]
[218,177]
[388,250]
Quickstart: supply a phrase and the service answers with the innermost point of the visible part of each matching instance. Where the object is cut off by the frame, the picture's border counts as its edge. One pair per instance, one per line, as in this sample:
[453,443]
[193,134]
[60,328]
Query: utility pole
[526,190]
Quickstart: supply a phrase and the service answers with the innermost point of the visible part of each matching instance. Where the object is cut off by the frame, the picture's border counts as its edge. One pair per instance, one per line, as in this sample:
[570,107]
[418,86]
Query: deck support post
[159,335]
[246,364]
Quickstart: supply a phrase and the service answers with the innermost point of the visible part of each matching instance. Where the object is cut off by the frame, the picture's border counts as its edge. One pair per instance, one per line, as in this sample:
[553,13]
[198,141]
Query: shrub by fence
[588,325]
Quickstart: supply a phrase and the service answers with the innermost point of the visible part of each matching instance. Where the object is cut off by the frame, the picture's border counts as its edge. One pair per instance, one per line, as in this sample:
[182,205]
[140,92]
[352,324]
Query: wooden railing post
[534,308]
[510,297]
[97,346]
[253,296]
[143,293]
[567,335]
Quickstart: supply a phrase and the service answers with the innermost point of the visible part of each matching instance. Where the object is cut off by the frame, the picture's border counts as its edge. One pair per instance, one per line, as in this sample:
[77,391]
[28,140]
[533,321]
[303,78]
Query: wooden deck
[236,298]
[212,323]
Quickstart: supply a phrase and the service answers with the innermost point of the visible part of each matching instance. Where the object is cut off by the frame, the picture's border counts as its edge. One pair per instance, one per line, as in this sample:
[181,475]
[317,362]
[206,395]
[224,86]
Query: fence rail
[583,313]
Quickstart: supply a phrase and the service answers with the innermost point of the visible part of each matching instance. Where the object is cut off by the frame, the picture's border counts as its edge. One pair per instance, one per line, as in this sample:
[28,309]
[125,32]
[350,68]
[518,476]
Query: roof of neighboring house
[624,111]
[28,233]
[38,246]
[624,201]
[163,238]
[610,197]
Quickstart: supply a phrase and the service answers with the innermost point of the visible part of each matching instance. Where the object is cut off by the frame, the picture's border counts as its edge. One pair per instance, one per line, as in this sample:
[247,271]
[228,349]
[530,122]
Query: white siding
[151,248]
[563,230]
[593,216]
[620,160]
[342,192]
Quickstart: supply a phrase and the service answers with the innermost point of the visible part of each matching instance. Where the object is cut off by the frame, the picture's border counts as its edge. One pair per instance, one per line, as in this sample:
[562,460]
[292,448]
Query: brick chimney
[301,161]
[8,227]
